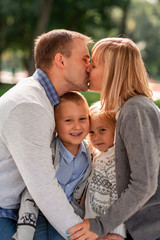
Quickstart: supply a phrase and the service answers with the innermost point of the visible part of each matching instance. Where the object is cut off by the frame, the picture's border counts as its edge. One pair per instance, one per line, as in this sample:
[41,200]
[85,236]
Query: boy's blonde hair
[71,96]
[96,111]
[124,73]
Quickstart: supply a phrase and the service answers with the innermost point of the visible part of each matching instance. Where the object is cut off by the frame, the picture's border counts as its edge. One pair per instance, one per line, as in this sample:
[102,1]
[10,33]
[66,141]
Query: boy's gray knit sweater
[28,212]
[137,150]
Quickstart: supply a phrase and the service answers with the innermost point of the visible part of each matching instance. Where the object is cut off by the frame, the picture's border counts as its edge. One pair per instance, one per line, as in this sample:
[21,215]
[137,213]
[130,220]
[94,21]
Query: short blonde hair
[96,111]
[71,96]
[124,73]
[56,41]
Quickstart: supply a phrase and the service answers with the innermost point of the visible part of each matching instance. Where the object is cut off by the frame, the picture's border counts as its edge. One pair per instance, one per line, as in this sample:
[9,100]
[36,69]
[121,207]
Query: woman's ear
[59,60]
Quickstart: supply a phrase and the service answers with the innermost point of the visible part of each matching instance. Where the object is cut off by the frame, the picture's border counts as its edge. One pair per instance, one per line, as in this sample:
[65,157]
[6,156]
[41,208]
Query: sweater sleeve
[28,134]
[138,131]
[27,218]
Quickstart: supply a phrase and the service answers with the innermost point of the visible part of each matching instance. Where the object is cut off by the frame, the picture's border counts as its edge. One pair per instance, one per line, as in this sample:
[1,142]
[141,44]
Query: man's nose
[88,68]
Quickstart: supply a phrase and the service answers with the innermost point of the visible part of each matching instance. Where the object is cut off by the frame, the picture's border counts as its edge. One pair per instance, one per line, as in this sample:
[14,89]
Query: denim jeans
[130,238]
[45,231]
[7,228]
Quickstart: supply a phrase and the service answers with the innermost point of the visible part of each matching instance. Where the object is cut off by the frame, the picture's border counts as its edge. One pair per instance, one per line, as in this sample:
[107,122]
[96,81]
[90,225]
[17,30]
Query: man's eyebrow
[87,56]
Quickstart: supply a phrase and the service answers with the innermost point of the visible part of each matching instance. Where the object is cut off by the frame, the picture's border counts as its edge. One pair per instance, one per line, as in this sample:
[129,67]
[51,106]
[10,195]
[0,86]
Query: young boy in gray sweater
[71,161]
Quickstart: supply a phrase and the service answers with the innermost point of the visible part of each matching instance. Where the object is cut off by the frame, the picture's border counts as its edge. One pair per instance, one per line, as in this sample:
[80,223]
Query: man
[27,125]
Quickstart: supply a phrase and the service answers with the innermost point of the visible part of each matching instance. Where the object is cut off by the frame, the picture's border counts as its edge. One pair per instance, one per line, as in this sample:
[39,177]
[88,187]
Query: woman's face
[95,70]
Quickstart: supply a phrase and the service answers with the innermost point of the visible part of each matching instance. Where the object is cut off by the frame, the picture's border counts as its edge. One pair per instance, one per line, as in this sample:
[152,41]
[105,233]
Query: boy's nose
[76,125]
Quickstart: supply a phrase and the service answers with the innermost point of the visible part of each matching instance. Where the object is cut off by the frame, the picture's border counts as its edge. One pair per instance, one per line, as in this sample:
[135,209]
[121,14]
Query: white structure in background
[8,77]
[156,95]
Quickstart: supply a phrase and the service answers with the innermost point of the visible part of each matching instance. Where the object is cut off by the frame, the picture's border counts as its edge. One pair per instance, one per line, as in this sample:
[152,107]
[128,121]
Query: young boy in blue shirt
[71,161]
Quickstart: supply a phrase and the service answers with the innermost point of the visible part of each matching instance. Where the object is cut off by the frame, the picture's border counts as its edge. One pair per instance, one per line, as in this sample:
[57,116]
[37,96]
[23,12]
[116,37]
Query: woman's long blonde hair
[124,73]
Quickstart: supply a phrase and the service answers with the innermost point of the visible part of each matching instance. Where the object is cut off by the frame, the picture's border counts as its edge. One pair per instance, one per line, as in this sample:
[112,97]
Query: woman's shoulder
[138,99]
[140,105]
[138,102]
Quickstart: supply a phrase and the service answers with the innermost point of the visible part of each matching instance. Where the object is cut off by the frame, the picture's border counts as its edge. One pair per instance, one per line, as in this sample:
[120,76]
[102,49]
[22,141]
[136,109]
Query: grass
[157,102]
[90,96]
[4,87]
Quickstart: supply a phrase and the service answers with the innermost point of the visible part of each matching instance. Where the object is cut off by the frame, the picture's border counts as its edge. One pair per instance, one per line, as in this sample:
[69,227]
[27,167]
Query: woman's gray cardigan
[137,151]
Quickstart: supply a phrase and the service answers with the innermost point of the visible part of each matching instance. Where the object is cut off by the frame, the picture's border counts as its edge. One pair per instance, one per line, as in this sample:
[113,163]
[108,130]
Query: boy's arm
[28,214]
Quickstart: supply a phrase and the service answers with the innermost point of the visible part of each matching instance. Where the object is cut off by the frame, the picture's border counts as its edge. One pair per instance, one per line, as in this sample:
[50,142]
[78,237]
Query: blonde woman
[118,72]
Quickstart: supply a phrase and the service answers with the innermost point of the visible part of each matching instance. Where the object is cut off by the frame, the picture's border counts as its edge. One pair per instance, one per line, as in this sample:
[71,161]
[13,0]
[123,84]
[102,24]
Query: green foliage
[4,87]
[157,102]
[89,17]
[91,97]
[20,20]
[143,27]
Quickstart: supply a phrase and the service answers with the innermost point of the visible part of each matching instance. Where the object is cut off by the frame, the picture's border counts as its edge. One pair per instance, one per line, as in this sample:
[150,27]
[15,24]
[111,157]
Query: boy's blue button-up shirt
[71,168]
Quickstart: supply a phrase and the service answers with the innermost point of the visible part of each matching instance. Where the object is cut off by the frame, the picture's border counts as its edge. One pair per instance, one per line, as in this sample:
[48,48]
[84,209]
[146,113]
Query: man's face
[76,66]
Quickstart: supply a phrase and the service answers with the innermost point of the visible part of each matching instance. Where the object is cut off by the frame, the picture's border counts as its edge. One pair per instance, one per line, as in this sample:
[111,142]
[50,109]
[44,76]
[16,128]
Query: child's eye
[68,120]
[102,130]
[83,118]
[91,132]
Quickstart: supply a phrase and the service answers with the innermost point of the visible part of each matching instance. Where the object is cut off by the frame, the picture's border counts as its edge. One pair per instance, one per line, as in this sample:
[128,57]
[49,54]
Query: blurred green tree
[23,20]
[143,26]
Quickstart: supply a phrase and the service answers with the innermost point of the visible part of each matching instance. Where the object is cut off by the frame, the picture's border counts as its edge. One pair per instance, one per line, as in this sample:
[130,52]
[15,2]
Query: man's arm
[28,134]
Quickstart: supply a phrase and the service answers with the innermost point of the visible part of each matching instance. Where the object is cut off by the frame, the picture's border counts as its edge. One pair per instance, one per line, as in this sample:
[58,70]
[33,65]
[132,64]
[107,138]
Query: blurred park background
[21,21]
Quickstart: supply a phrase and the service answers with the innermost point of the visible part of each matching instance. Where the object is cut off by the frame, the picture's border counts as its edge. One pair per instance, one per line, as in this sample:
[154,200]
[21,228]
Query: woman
[118,72]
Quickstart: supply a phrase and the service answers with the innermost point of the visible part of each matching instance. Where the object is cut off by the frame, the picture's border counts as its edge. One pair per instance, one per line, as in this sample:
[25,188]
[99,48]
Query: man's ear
[59,60]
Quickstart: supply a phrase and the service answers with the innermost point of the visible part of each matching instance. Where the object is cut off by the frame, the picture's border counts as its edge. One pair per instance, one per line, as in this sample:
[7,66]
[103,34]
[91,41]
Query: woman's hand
[81,232]
[111,236]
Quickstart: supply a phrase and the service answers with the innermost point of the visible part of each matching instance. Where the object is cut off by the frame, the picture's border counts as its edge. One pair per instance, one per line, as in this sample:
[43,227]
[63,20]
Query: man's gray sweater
[26,130]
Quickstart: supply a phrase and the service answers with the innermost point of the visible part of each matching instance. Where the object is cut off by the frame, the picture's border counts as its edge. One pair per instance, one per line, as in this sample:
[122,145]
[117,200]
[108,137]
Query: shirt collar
[47,85]
[67,155]
[108,153]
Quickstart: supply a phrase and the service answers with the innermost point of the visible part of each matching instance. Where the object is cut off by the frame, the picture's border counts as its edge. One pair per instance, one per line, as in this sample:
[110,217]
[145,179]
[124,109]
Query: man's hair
[56,41]
[96,111]
[71,96]
[124,73]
